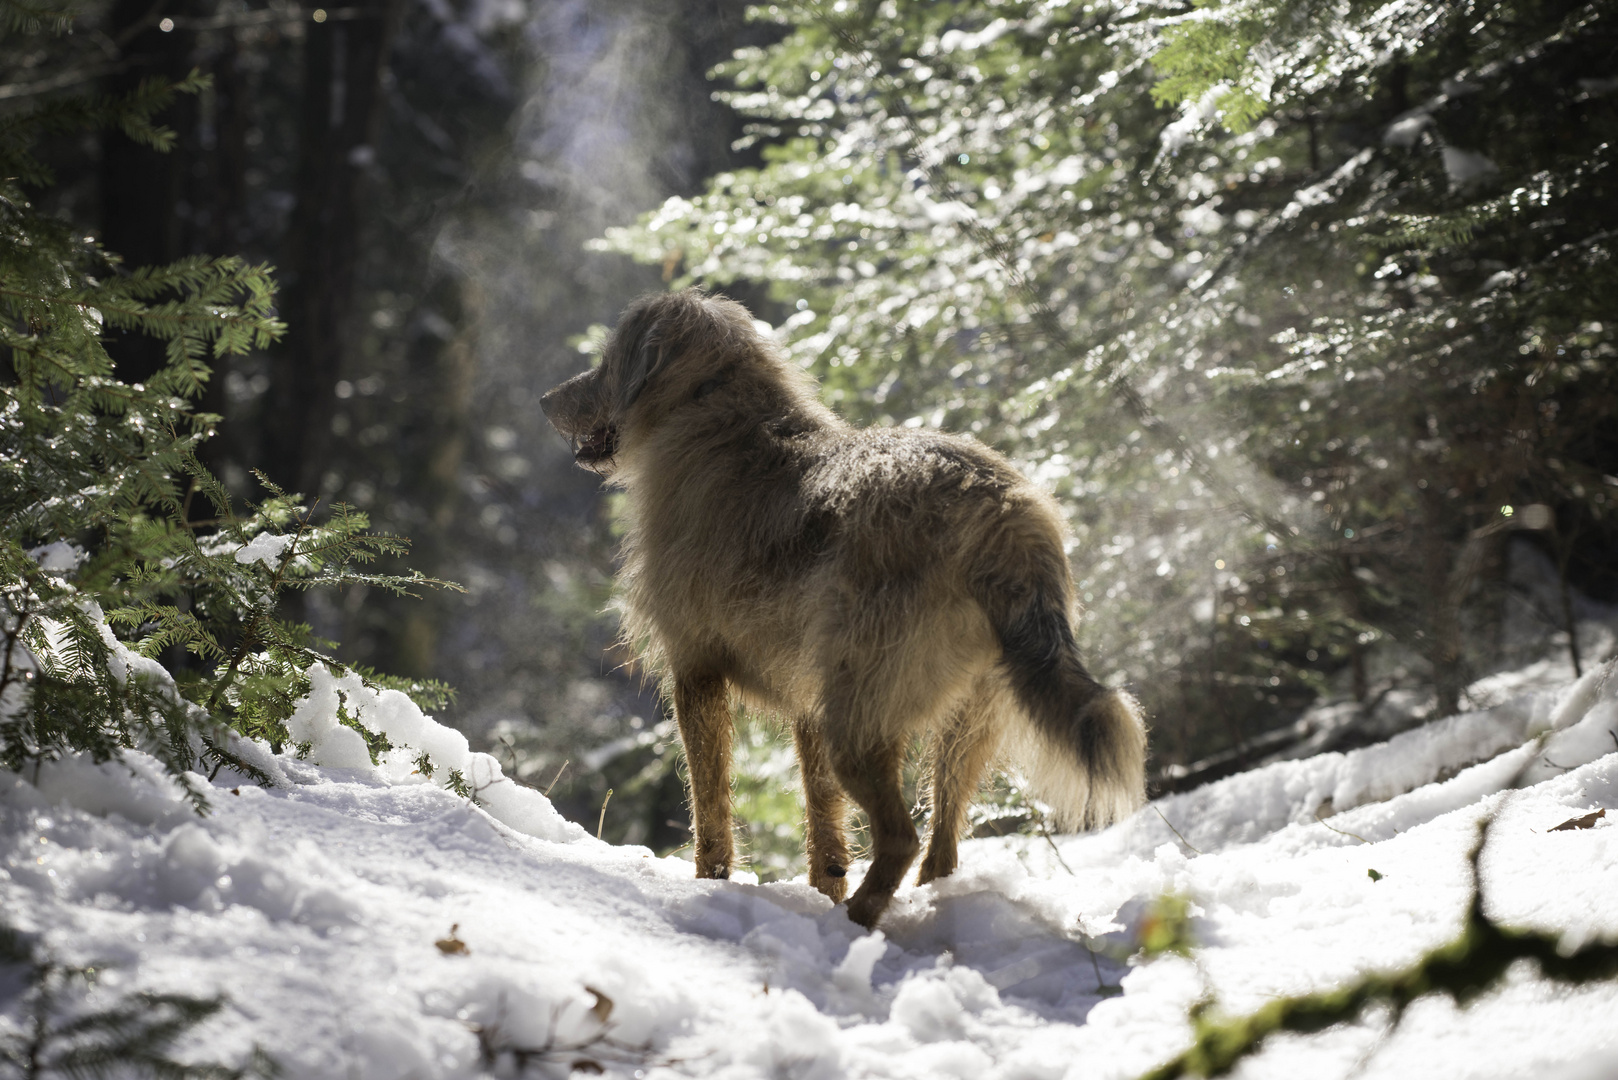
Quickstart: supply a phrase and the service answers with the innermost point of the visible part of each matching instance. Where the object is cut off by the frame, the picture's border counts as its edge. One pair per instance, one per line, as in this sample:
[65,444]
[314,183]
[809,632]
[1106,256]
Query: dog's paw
[865,909]
[832,883]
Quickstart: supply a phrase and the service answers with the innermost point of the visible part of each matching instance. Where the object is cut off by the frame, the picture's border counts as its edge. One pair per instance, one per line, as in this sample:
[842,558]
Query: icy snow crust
[316,905]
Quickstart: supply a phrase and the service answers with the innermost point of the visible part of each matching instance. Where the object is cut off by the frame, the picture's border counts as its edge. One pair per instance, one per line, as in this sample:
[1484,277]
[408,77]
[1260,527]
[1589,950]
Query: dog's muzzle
[596,448]
[570,408]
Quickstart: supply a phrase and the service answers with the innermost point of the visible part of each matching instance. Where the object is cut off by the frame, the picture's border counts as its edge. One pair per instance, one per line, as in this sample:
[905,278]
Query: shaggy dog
[868,585]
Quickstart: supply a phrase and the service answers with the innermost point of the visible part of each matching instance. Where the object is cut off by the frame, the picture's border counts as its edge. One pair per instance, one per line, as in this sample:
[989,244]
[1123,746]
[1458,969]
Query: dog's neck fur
[675,441]
[700,484]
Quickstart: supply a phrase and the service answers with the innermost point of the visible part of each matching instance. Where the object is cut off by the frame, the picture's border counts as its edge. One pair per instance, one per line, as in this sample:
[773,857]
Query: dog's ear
[643,359]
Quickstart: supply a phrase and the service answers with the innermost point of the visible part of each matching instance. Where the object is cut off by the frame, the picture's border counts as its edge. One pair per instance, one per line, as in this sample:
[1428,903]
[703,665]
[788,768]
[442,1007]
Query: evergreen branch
[213,751]
[235,329]
[135,1035]
[261,614]
[23,17]
[218,497]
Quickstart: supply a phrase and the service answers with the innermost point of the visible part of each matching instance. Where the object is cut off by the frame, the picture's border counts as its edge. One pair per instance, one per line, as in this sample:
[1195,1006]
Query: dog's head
[670,349]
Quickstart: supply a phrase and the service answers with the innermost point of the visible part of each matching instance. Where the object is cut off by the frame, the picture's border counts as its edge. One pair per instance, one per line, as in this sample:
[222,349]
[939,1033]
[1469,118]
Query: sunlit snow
[329,907]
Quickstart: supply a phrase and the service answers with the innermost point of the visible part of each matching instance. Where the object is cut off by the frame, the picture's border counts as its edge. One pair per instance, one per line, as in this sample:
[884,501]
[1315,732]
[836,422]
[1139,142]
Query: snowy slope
[316,905]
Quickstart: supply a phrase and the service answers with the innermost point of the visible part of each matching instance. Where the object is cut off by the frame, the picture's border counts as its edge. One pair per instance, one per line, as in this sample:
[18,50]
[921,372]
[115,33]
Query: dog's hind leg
[961,752]
[702,710]
[826,828]
[873,780]
[867,756]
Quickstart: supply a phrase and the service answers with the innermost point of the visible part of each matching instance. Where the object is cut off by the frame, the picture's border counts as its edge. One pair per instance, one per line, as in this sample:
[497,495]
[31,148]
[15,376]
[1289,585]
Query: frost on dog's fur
[869,585]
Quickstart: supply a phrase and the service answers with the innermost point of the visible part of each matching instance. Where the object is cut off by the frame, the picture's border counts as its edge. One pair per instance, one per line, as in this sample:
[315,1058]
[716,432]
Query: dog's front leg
[702,710]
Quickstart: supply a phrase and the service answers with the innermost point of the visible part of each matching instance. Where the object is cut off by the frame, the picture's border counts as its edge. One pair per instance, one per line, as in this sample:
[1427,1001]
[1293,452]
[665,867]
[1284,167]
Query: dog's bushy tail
[1084,746]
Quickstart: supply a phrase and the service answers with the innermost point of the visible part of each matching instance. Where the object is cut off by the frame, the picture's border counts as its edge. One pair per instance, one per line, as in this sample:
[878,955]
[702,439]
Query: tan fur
[870,585]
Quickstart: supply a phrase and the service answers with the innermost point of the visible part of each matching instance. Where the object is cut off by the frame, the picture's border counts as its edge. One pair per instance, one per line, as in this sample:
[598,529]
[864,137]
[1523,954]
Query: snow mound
[366,922]
[421,748]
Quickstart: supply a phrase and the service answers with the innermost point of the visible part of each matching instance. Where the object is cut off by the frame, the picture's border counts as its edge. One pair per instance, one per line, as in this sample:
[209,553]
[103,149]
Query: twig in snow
[602,820]
[1044,830]
[1335,829]
[498,1052]
[1175,831]
[510,746]
[1105,988]
[1381,1039]
[558,777]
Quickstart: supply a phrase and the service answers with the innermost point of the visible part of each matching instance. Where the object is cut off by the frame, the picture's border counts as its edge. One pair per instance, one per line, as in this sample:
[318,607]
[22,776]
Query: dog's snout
[564,405]
[578,396]
[551,402]
[576,411]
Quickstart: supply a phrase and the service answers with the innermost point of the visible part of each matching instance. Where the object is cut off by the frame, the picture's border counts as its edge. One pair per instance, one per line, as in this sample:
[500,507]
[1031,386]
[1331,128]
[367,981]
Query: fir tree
[100,489]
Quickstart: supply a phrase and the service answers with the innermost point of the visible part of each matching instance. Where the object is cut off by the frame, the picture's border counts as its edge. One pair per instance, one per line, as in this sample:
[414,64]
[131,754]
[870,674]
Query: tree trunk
[435,445]
[229,118]
[343,63]
[1441,643]
[1564,552]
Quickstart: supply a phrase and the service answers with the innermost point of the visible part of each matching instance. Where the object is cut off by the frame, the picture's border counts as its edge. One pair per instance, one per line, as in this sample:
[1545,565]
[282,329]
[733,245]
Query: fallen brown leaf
[452,945]
[603,1006]
[1588,821]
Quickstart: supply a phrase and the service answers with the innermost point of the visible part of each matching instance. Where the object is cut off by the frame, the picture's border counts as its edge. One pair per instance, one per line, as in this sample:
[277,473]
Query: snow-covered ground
[366,923]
